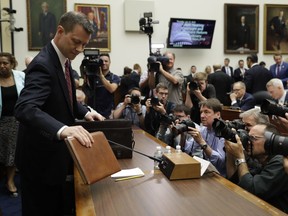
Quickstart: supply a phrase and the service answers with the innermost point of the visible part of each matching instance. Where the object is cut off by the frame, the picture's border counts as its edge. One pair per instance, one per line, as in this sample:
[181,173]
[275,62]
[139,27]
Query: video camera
[91,63]
[223,129]
[270,107]
[182,127]
[153,62]
[275,144]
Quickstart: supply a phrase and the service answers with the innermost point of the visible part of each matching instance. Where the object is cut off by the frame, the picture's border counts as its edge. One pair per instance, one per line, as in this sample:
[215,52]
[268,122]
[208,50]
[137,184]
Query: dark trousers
[39,198]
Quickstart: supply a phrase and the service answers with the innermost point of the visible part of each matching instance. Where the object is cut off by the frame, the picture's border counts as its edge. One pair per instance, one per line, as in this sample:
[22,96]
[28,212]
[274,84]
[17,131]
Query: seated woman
[131,108]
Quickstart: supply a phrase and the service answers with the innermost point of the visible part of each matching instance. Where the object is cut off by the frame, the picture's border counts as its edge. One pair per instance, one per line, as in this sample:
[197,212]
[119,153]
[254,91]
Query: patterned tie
[68,81]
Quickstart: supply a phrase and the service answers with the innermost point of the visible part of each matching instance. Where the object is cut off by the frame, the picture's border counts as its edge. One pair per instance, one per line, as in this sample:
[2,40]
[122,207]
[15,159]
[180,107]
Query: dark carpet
[9,206]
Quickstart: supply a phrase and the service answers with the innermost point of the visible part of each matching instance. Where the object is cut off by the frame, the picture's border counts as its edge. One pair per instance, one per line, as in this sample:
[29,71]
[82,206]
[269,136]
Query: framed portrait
[275,29]
[43,17]
[241,28]
[99,16]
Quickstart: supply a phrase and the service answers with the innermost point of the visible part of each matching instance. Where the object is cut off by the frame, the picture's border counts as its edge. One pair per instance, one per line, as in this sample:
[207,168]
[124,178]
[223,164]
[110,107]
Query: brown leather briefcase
[115,130]
[93,163]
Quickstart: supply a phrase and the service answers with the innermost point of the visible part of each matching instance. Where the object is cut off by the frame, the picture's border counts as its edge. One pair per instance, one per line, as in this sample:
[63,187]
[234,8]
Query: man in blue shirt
[212,146]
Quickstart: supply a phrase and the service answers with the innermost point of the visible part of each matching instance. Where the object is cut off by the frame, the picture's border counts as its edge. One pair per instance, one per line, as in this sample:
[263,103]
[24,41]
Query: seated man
[131,108]
[276,90]
[252,117]
[154,111]
[240,98]
[197,91]
[270,183]
[212,146]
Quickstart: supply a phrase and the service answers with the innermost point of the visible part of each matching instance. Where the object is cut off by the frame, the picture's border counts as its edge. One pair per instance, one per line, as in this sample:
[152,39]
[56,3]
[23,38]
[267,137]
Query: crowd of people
[35,122]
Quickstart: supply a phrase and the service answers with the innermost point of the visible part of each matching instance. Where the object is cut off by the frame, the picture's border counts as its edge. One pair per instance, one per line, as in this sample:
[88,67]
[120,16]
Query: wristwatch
[239,161]
[203,147]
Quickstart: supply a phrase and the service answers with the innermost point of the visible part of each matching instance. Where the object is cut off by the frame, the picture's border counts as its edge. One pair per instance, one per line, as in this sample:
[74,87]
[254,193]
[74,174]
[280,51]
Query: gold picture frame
[100,16]
[275,30]
[42,28]
[238,38]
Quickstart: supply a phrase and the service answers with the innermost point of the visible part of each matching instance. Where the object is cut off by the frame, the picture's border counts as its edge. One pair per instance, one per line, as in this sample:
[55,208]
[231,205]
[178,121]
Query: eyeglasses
[236,90]
[255,138]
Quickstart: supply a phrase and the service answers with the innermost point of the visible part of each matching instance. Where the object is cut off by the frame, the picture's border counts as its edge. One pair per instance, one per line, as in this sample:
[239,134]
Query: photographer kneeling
[270,183]
[131,108]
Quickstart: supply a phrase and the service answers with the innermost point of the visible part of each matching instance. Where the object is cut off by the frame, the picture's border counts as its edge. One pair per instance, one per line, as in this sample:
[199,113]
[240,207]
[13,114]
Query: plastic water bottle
[168,150]
[158,154]
[178,149]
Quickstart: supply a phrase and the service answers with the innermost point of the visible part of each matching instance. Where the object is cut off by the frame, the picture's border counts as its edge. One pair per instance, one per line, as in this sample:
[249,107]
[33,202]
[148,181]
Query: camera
[270,107]
[223,129]
[193,85]
[275,144]
[154,101]
[182,127]
[153,62]
[236,124]
[167,119]
[135,99]
[91,63]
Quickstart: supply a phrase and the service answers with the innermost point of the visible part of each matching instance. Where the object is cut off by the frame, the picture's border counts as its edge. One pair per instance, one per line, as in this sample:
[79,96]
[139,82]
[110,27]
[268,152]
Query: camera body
[153,62]
[91,63]
[223,129]
[167,119]
[275,144]
[135,99]
[182,127]
[270,107]
[154,101]
[193,85]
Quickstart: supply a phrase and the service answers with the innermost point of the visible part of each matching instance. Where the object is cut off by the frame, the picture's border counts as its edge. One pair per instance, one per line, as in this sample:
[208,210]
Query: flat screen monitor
[190,33]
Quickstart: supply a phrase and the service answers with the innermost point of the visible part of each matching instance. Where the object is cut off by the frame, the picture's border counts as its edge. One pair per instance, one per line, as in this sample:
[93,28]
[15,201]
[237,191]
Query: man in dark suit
[239,72]
[277,27]
[240,98]
[276,90]
[47,24]
[257,76]
[222,83]
[47,109]
[280,69]
[226,68]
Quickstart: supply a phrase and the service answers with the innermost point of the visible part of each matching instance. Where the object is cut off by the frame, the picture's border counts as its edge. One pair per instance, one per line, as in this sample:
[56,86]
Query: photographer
[212,146]
[198,90]
[156,108]
[100,93]
[270,183]
[170,77]
[131,108]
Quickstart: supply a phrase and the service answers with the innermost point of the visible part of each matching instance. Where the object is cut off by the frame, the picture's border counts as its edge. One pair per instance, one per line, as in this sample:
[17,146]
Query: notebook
[93,163]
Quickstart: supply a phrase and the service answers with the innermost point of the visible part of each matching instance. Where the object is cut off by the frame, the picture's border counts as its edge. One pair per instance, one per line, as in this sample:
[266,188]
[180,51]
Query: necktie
[68,81]
[277,70]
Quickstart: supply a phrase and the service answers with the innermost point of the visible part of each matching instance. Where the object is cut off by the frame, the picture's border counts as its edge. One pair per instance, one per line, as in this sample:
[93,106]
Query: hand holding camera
[235,149]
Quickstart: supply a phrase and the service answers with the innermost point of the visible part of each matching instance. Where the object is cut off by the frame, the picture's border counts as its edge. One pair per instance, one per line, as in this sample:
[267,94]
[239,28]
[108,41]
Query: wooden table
[154,194]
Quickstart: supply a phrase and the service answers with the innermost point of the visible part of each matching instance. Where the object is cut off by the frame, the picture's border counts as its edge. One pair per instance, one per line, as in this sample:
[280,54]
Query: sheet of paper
[128,172]
[206,165]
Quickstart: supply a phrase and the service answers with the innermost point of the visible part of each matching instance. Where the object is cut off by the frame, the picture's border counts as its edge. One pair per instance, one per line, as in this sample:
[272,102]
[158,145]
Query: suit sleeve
[248,81]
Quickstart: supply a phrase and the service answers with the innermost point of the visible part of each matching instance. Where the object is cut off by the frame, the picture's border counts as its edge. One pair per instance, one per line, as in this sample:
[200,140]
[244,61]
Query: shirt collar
[61,57]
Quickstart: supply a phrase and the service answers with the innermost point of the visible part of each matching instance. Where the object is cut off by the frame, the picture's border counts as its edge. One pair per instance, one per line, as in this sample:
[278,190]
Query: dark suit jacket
[231,69]
[256,78]
[222,83]
[42,109]
[283,74]
[237,76]
[246,103]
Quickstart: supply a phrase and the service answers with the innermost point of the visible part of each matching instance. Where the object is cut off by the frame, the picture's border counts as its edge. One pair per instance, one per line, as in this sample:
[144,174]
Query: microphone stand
[152,158]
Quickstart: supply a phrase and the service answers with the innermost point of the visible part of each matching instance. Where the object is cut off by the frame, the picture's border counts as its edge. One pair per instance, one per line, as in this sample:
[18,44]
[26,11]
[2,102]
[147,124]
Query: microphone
[150,157]
[9,10]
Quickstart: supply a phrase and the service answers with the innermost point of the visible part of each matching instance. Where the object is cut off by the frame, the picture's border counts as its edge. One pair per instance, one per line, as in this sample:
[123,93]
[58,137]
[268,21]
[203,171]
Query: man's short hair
[134,88]
[182,108]
[275,82]
[105,54]
[161,85]
[72,18]
[200,76]
[227,59]
[253,58]
[259,118]
[242,84]
[241,60]
[212,103]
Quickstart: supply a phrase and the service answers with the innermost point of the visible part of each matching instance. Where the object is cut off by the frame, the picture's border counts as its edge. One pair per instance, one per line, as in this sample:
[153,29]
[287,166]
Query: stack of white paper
[128,174]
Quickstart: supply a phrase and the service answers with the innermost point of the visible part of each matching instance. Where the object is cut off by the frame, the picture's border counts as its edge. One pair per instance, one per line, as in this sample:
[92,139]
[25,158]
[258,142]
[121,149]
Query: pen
[127,178]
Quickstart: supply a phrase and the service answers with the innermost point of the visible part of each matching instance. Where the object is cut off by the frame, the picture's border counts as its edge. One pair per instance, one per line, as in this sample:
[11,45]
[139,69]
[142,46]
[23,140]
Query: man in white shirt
[276,90]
